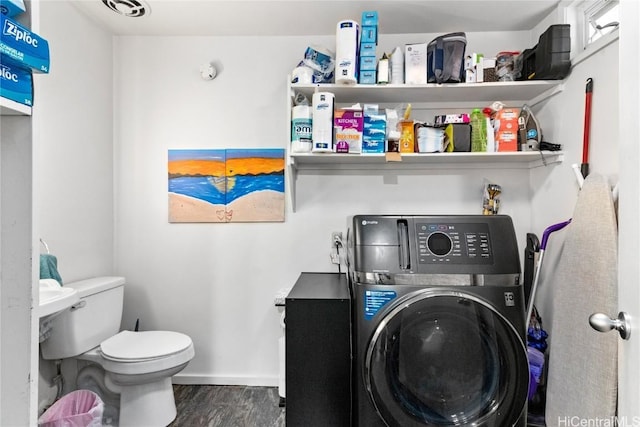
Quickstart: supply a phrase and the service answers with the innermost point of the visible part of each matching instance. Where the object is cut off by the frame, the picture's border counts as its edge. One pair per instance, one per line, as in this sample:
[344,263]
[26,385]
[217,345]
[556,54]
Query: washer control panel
[453,243]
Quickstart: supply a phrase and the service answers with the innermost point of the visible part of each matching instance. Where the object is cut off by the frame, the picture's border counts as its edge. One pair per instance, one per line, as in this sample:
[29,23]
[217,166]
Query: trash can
[80,408]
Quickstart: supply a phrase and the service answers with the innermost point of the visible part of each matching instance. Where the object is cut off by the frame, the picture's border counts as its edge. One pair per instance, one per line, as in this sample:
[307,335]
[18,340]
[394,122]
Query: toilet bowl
[137,365]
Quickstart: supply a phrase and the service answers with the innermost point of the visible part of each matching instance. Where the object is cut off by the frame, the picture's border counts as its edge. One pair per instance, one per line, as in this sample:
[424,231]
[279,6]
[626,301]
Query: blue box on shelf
[369,18]
[368,49]
[11,8]
[22,48]
[367,77]
[16,84]
[368,63]
[369,34]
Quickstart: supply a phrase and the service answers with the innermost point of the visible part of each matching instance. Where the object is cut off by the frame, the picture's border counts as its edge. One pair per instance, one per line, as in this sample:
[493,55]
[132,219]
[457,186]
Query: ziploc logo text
[18,33]
[7,74]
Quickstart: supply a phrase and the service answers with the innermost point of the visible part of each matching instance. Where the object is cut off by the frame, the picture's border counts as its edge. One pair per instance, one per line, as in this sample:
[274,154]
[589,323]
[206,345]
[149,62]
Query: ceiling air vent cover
[129,8]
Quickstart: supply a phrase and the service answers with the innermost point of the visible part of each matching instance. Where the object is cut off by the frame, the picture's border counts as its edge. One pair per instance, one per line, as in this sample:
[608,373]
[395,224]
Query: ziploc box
[22,48]
[12,8]
[348,124]
[16,84]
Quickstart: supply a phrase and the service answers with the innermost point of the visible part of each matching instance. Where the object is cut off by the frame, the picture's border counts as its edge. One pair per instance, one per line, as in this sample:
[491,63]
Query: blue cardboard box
[370,18]
[16,84]
[368,63]
[367,77]
[369,34]
[368,49]
[22,48]
[12,8]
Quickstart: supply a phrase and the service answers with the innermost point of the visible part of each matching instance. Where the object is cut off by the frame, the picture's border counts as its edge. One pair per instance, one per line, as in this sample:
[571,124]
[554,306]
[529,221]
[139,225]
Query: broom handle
[584,167]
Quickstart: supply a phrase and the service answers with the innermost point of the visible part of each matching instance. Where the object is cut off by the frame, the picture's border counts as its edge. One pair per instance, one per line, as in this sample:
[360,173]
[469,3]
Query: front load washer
[438,328]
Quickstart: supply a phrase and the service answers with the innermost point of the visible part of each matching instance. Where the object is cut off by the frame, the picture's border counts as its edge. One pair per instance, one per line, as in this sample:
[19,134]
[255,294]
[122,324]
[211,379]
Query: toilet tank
[85,325]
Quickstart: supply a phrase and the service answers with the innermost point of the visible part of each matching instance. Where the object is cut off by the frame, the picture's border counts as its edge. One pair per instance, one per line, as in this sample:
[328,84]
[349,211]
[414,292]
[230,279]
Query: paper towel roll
[301,129]
[322,132]
[347,40]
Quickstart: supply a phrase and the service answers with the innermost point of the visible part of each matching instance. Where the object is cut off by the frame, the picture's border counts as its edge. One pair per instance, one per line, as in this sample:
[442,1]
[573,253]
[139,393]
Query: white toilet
[137,365]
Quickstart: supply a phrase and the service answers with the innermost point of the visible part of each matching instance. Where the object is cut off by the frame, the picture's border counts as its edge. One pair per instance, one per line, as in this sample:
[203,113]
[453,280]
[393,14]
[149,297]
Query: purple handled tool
[543,245]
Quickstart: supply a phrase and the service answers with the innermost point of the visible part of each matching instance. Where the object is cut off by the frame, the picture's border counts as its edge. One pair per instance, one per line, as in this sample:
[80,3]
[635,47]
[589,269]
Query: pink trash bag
[80,408]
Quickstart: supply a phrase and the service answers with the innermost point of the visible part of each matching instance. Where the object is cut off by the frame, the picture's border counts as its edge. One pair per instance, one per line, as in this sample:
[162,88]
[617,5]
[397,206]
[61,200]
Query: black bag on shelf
[445,58]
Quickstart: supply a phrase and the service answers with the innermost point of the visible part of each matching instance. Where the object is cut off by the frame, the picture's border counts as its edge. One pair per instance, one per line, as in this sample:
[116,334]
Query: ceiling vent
[129,8]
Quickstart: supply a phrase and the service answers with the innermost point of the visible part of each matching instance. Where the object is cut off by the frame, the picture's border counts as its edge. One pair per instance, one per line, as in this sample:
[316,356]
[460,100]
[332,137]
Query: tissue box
[374,133]
[22,48]
[11,8]
[348,125]
[16,84]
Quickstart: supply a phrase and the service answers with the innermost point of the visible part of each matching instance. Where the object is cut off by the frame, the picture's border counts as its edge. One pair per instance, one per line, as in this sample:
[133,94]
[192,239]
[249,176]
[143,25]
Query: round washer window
[446,359]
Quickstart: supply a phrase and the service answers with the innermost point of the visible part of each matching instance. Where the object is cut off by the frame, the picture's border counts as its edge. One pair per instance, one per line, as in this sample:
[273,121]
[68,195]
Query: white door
[629,206]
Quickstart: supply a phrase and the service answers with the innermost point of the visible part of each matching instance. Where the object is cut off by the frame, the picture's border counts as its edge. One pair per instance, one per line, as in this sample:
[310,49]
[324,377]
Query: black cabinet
[318,351]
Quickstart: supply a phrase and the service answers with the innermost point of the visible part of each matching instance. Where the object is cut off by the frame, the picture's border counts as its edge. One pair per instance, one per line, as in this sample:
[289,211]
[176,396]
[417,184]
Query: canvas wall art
[226,185]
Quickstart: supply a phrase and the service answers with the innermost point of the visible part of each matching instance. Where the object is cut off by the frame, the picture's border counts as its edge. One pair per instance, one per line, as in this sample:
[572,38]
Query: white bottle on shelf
[397,66]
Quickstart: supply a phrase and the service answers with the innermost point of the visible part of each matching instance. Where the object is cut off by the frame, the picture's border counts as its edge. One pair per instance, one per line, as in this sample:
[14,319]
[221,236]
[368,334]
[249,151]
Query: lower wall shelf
[345,163]
[332,161]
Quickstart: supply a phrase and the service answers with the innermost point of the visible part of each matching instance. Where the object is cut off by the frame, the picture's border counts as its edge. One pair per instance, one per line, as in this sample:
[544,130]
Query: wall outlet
[336,236]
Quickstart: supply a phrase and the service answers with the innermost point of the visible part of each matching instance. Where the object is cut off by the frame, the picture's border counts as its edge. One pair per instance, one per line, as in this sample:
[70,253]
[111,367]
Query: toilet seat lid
[146,345]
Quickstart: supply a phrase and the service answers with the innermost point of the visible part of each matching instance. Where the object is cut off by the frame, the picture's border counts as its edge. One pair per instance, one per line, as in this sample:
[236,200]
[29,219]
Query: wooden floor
[227,406]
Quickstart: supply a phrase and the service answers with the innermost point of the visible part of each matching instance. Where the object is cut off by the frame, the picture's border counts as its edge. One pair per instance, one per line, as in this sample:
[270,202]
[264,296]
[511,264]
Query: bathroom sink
[54,299]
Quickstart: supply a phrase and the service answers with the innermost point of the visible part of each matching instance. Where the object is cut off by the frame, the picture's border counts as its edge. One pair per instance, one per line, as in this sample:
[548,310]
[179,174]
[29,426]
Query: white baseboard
[267,381]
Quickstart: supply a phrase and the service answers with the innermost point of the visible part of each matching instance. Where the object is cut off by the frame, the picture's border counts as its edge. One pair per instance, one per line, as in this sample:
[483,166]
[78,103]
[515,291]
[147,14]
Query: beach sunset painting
[226,185]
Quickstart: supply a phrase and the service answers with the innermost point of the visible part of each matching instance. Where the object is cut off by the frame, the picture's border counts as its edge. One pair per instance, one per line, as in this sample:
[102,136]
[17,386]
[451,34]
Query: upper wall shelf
[523,91]
[12,108]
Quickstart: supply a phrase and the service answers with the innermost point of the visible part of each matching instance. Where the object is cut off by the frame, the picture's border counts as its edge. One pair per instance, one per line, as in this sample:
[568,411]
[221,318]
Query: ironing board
[582,381]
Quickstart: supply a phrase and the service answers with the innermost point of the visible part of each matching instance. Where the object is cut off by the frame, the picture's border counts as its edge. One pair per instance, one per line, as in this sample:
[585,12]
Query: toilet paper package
[301,129]
[22,48]
[347,42]
[322,119]
[15,84]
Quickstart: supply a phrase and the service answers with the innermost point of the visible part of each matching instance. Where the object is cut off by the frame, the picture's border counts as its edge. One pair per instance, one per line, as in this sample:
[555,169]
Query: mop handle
[543,245]
[551,229]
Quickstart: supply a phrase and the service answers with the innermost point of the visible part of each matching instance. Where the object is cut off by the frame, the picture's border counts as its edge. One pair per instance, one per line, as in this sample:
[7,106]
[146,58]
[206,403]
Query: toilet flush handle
[78,305]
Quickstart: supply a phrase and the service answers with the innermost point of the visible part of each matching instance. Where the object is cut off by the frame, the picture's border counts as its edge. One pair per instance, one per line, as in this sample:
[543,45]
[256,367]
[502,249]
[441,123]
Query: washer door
[446,358]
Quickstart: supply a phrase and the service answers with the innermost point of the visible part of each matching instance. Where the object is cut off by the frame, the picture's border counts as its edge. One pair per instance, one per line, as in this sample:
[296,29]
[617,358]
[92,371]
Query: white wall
[74,157]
